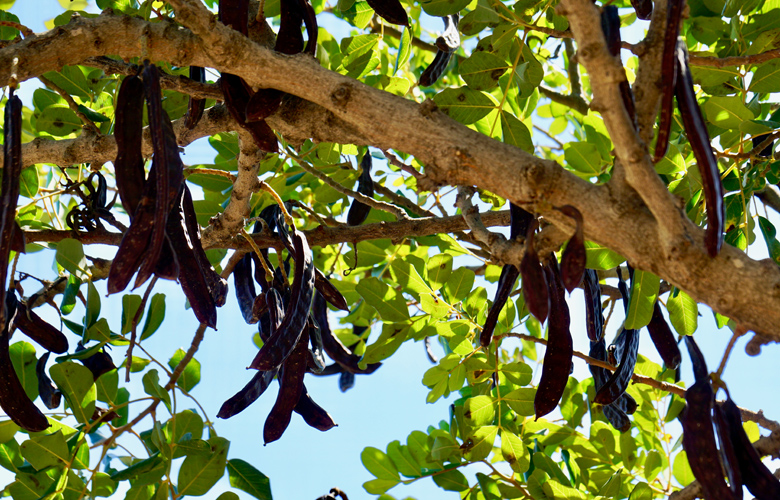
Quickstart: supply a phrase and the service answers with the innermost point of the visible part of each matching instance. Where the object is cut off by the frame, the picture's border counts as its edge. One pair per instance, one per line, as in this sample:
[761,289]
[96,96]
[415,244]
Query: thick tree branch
[452,153]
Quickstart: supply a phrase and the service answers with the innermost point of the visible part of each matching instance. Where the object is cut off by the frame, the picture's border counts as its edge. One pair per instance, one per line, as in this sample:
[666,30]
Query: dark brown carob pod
[668,76]
[573,258]
[759,480]
[329,292]
[332,345]
[643,9]
[626,350]
[615,413]
[98,363]
[346,380]
[310,20]
[237,95]
[313,414]
[18,242]
[289,40]
[282,342]
[12,169]
[40,331]
[594,316]
[558,355]
[13,399]
[263,104]
[317,352]
[610,25]
[700,371]
[449,40]
[248,395]
[663,338]
[235,13]
[49,393]
[434,70]
[290,391]
[358,211]
[245,287]
[506,282]
[535,291]
[696,130]
[391,11]
[128,131]
[728,453]
[519,220]
[195,107]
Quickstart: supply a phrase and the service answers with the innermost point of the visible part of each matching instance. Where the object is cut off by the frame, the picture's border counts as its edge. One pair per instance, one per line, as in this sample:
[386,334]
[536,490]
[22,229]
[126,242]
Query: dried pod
[519,220]
[594,315]
[668,77]
[313,414]
[610,25]
[390,10]
[449,40]
[128,131]
[310,20]
[195,107]
[332,345]
[248,395]
[757,140]
[358,211]
[616,413]
[98,363]
[626,350]
[573,259]
[434,70]
[237,95]
[12,169]
[218,286]
[696,130]
[663,338]
[346,381]
[754,474]
[317,354]
[329,292]
[50,394]
[245,287]
[535,290]
[728,454]
[263,104]
[18,243]
[235,13]
[700,371]
[643,9]
[290,391]
[40,331]
[13,399]
[558,355]
[506,283]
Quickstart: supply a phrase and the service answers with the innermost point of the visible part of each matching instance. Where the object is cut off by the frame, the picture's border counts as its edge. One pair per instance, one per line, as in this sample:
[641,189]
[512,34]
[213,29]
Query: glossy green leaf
[191,375]
[600,257]
[23,359]
[152,387]
[683,313]
[482,70]
[459,284]
[70,255]
[515,452]
[77,385]
[644,292]
[479,410]
[516,133]
[583,157]
[246,478]
[45,451]
[58,120]
[464,104]
[438,270]
[199,473]
[154,315]
[390,305]
[451,480]
[379,464]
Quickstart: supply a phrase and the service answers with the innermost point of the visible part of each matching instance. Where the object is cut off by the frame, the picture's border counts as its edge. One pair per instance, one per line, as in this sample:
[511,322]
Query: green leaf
[155,463]
[479,410]
[7,32]
[58,120]
[69,295]
[451,480]
[23,359]
[480,444]
[8,430]
[78,386]
[464,104]
[683,313]
[583,157]
[205,210]
[154,316]
[246,478]
[641,491]
[438,270]
[489,487]
[769,232]
[70,255]
[404,49]
[441,8]
[600,257]
[515,452]
[379,464]
[644,292]
[516,132]
[72,80]
[653,465]
[11,456]
[199,473]
[459,284]
[403,460]
[107,387]
[726,112]
[521,400]
[191,375]
[681,469]
[406,275]
[482,70]
[766,78]
[390,305]
[130,304]
[28,182]
[152,387]
[45,451]
[93,305]
[379,486]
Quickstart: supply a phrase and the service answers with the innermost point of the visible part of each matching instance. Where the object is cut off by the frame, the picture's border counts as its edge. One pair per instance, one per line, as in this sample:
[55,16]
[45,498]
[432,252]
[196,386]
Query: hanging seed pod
[248,395]
[245,287]
[668,76]
[391,11]
[195,107]
[313,414]
[643,8]
[49,393]
[506,283]
[535,290]
[663,338]
[40,331]
[573,258]
[128,131]
[358,211]
[290,391]
[594,315]
[626,351]
[12,169]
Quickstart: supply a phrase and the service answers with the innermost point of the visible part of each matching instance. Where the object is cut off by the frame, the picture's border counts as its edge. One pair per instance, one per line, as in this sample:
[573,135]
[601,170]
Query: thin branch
[722,62]
[376,27]
[508,252]
[769,197]
[575,102]
[88,124]
[394,160]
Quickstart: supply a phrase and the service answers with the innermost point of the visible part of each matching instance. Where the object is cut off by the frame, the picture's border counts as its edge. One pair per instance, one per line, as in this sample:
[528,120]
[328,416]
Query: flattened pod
[617,417]
[391,10]
[759,480]
[128,131]
[506,283]
[195,107]
[40,331]
[248,395]
[289,40]
[610,25]
[290,391]
[535,290]
[235,13]
[663,338]
[12,154]
[643,8]
[245,287]
[558,355]
[519,219]
[668,75]
[449,41]
[17,239]
[594,315]
[696,130]
[50,394]
[699,442]
[434,70]
[329,292]
[728,454]
[99,363]
[358,211]
[13,399]
[263,104]
[332,345]
[573,259]
[310,19]
[313,414]
[346,381]
[627,350]
[218,286]
[237,96]
[700,371]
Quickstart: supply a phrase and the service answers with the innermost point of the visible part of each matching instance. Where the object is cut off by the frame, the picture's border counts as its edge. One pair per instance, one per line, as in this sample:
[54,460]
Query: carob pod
[13,399]
[18,243]
[535,291]
[128,131]
[12,169]
[98,363]
[270,321]
[40,331]
[626,403]
[317,354]
[519,220]
[282,342]
[700,371]
[49,393]
[312,31]
[559,351]
[259,307]
[696,130]
[237,95]
[289,40]
[663,338]
[616,412]
[573,258]
[434,70]
[235,13]
[263,104]
[728,454]
[358,211]
[594,315]
[627,349]
[313,414]
[449,40]
[195,107]
[757,140]
[218,286]
[391,11]
[329,292]
[668,77]
[506,283]
[759,480]
[447,44]
[169,171]
[610,25]
[346,380]
[290,391]
[245,287]
[248,395]
[332,345]
[643,9]
[192,279]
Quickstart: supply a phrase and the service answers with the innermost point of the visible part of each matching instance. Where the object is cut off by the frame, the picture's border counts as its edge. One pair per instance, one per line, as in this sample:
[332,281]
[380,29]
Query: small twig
[330,222]
[501,249]
[196,340]
[88,124]
[269,274]
[395,161]
[210,171]
[268,189]
[24,30]
[134,325]
[738,332]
